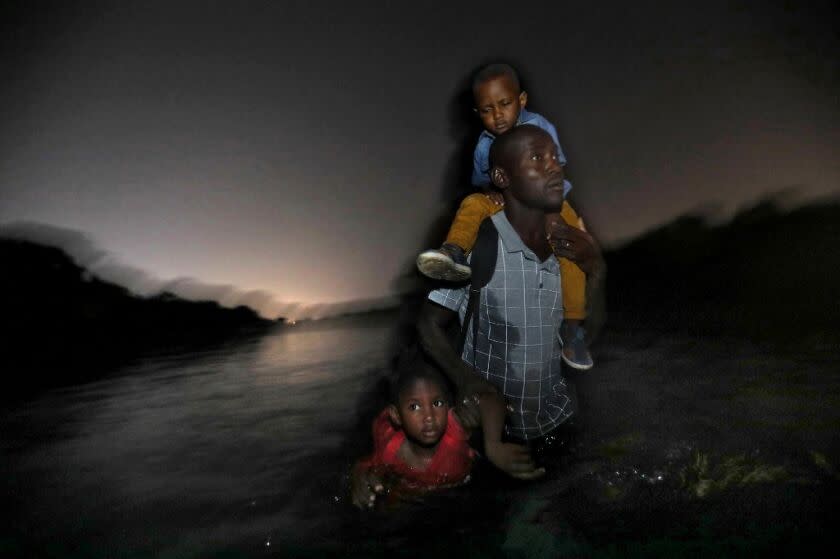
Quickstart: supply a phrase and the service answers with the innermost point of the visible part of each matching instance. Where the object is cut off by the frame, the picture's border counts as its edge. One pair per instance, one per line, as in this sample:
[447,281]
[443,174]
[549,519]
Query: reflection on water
[178,453]
[242,449]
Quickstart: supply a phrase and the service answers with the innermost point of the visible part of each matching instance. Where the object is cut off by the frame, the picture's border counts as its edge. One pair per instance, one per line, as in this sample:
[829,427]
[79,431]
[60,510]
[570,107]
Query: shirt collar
[512,242]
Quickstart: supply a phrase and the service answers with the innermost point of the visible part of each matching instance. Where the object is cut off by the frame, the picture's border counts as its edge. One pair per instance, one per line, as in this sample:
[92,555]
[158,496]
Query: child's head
[498,97]
[420,404]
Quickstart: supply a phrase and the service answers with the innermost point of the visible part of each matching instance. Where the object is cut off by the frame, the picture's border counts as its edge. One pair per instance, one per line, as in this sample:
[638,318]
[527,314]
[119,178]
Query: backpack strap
[483,264]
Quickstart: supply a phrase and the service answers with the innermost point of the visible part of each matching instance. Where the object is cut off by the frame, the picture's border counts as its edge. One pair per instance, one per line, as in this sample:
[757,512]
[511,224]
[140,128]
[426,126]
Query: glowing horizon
[247,150]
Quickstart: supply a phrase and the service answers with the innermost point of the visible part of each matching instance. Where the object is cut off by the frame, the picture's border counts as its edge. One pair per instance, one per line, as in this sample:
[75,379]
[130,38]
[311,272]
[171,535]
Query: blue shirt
[481,157]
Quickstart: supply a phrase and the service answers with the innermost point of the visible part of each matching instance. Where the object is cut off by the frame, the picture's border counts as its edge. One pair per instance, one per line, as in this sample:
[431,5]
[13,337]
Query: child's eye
[438,403]
[506,102]
[536,157]
[413,407]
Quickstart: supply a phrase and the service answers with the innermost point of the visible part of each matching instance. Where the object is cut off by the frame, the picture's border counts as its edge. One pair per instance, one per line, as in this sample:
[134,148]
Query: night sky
[304,149]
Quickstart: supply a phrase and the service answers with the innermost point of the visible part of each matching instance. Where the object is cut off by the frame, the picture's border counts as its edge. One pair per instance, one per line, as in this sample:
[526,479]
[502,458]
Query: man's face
[535,172]
[498,103]
[422,412]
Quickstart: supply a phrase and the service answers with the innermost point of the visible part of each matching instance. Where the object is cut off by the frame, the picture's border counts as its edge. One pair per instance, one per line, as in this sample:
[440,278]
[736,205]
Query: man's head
[498,97]
[525,166]
[420,404]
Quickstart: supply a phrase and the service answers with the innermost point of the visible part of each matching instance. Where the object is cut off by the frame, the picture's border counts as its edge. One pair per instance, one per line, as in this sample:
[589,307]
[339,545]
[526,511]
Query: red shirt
[450,464]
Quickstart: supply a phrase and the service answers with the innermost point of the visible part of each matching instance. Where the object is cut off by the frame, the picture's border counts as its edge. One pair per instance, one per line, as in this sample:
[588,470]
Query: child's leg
[449,262]
[474,209]
[573,281]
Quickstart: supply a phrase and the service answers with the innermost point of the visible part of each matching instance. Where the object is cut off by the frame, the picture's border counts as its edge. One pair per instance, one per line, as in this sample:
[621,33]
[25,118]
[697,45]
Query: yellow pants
[464,230]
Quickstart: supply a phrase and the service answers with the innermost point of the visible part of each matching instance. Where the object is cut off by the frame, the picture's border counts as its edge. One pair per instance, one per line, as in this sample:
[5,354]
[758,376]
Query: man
[516,349]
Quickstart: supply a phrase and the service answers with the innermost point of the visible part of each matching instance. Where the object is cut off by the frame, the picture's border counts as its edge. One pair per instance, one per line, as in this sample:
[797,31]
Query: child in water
[500,104]
[420,444]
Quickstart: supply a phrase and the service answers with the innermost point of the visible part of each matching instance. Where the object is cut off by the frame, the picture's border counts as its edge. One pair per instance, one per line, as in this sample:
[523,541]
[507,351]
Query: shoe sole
[573,365]
[437,266]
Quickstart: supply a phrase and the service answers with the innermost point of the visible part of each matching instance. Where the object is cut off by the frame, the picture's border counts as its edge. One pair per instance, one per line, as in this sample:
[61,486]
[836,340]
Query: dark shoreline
[63,326]
[768,276]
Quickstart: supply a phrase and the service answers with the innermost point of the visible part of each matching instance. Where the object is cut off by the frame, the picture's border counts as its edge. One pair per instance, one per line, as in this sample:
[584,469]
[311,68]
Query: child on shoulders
[500,104]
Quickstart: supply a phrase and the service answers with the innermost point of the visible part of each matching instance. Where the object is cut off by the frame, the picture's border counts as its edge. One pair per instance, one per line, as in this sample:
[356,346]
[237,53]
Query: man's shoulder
[498,218]
[499,221]
[505,232]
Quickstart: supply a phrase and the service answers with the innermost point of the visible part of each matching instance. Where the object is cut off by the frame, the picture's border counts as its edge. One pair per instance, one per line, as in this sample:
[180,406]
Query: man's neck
[529,224]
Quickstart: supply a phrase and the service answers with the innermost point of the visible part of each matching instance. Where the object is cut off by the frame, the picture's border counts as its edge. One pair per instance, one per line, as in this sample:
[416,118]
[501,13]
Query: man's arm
[432,326]
[513,459]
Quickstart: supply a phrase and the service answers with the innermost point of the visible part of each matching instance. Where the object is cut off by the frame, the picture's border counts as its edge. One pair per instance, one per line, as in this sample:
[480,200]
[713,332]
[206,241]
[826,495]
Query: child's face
[498,103]
[422,412]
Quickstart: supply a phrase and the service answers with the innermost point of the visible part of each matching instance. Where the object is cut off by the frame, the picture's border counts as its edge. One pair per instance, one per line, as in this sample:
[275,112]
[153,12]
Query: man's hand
[575,244]
[365,487]
[513,459]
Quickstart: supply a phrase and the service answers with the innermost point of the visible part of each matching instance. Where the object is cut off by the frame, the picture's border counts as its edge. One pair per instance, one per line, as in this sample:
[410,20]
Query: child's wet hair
[414,370]
[495,71]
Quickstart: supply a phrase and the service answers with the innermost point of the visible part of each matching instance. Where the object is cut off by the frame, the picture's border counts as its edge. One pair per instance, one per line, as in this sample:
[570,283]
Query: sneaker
[446,263]
[575,353]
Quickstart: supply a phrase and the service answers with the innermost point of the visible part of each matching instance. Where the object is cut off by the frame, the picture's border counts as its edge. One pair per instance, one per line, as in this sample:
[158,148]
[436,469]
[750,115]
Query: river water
[683,446]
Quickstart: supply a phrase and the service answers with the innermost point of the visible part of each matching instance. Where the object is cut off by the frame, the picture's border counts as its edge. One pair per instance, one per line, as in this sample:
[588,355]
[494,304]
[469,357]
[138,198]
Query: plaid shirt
[517,349]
